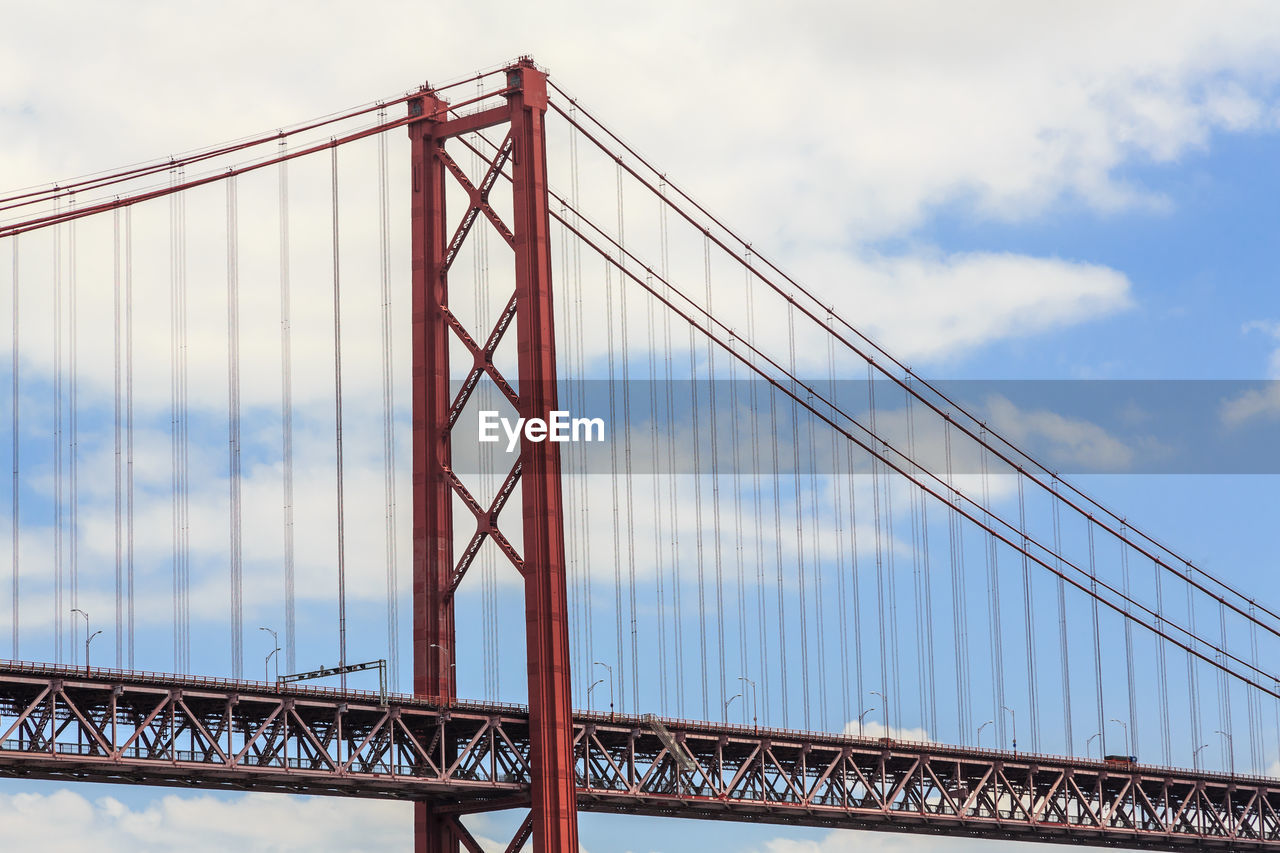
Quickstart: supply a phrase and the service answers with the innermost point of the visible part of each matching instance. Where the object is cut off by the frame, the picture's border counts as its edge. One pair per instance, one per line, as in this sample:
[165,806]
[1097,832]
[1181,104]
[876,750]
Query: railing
[604,719]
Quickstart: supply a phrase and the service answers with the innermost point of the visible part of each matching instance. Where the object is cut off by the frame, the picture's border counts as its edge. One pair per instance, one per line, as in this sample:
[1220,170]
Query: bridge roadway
[128,727]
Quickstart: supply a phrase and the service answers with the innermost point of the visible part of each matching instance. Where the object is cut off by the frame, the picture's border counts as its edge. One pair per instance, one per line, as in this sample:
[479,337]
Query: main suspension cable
[971,432]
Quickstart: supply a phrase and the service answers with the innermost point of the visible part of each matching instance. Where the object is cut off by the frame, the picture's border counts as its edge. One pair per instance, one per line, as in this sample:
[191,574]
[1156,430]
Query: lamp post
[1195,755]
[729,702]
[884,699]
[755,701]
[861,716]
[1015,726]
[980,728]
[275,641]
[1124,726]
[1089,741]
[610,669]
[88,638]
[87,641]
[1231,750]
[593,686]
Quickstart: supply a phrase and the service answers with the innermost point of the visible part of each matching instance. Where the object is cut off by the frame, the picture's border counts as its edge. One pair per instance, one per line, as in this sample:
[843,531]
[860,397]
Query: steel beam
[454,758]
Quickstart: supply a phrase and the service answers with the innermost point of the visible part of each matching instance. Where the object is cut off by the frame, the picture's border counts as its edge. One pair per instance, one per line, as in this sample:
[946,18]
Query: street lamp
[1195,755]
[266,666]
[1124,726]
[729,702]
[884,699]
[860,716]
[1015,726]
[87,641]
[1231,750]
[88,638]
[980,728]
[755,701]
[275,641]
[593,686]
[1089,741]
[606,666]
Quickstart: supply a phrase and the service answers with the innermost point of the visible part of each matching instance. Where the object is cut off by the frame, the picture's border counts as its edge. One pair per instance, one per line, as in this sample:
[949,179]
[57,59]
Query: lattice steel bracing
[456,758]
[437,571]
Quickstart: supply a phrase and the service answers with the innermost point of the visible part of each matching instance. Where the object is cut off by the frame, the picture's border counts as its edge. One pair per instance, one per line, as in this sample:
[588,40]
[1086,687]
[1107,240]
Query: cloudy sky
[995,190]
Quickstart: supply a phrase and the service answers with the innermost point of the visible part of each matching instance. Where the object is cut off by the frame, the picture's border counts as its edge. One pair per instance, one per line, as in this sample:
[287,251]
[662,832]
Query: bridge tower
[437,571]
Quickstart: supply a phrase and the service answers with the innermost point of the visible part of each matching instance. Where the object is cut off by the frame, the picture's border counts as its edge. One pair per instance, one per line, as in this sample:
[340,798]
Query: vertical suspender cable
[1063,648]
[738,530]
[117,457]
[1097,643]
[756,486]
[959,604]
[58,537]
[1166,736]
[1224,690]
[233,428]
[784,695]
[388,412]
[928,679]
[855,584]
[626,414]
[73,441]
[993,601]
[14,536]
[672,490]
[816,563]
[174,458]
[613,467]
[1028,606]
[884,631]
[715,485]
[128,422]
[1128,651]
[337,404]
[1192,671]
[1257,743]
[894,687]
[795,474]
[584,496]
[659,564]
[576,469]
[838,517]
[286,417]
[184,433]
[696,440]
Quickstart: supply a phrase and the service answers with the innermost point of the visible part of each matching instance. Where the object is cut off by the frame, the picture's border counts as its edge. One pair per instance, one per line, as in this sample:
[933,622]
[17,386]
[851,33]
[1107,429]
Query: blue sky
[1110,171]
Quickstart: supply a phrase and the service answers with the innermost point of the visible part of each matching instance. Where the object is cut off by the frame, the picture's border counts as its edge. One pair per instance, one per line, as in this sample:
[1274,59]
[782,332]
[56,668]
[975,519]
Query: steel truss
[462,757]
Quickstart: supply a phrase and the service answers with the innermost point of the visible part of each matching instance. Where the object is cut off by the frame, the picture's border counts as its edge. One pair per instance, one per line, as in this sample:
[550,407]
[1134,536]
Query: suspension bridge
[794,583]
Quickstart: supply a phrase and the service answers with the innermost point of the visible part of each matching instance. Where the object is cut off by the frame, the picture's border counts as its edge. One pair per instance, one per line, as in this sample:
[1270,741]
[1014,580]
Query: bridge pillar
[433,635]
[436,573]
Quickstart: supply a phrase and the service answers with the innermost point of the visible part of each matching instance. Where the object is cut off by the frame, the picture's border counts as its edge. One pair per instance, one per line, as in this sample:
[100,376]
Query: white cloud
[844,841]
[265,822]
[1262,402]
[876,729]
[1070,441]
[929,307]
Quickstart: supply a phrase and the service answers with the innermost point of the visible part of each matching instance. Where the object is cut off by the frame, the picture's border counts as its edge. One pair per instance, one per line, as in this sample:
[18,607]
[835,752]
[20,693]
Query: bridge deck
[141,728]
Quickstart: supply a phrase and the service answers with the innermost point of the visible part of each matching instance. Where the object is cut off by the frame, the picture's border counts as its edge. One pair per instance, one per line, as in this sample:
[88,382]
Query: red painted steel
[433,634]
[546,606]
[66,723]
[436,573]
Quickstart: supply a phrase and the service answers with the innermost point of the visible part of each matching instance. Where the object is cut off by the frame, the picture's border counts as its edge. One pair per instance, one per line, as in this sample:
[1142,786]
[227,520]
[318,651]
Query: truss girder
[106,726]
